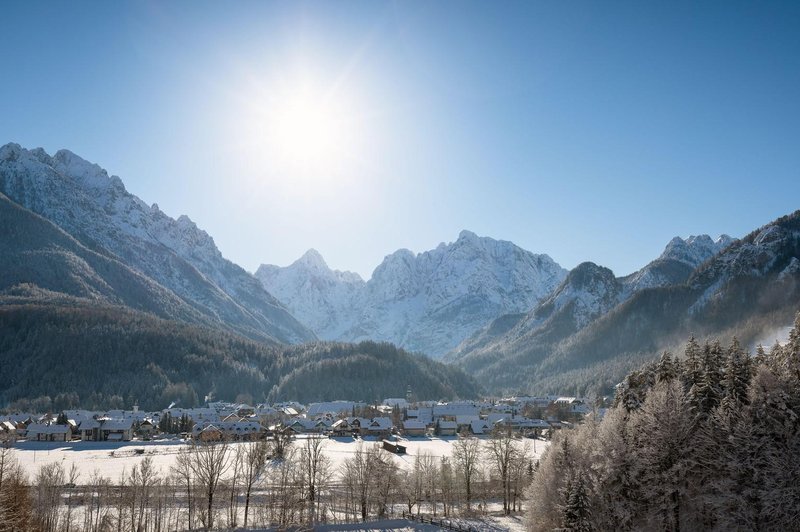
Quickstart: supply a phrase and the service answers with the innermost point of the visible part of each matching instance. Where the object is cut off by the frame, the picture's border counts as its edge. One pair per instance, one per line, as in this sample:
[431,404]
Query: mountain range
[596,327]
[195,282]
[73,238]
[427,302]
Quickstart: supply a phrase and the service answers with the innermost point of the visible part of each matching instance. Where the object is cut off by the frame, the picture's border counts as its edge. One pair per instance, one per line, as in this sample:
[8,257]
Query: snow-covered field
[112,459]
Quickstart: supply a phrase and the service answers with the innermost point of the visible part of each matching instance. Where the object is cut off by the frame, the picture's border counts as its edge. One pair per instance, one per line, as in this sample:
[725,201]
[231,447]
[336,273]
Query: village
[415,459]
[224,421]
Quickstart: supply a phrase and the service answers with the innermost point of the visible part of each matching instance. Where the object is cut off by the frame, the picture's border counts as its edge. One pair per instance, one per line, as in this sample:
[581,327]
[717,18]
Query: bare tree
[280,443]
[182,469]
[253,462]
[467,457]
[209,462]
[502,452]
[315,471]
[96,496]
[283,496]
[429,469]
[447,483]
[142,480]
[411,487]
[15,502]
[357,472]
[47,496]
[521,475]
[233,492]
[72,480]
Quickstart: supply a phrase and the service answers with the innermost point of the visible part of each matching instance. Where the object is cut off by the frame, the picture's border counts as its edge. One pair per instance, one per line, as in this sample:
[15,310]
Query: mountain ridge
[750,285]
[95,208]
[425,301]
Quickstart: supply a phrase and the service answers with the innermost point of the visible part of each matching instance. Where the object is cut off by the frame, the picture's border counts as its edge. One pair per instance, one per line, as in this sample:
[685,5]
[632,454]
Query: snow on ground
[111,459]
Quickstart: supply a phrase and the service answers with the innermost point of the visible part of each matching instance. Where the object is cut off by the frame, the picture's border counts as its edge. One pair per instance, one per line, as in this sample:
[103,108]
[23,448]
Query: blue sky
[585,130]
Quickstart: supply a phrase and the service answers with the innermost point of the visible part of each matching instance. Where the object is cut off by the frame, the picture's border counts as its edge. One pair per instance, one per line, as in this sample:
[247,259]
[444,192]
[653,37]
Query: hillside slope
[95,209]
[751,286]
[98,356]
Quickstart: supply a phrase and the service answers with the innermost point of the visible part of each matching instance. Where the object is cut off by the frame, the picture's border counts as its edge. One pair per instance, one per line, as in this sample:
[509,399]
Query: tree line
[709,441]
[100,357]
[278,482]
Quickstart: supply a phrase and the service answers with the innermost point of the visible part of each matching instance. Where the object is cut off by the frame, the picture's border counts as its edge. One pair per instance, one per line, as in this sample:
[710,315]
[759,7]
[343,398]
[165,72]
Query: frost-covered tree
[467,461]
[737,376]
[577,513]
[663,426]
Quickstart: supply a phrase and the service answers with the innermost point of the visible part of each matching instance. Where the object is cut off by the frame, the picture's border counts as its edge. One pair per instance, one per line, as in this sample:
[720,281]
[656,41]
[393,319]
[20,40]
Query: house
[352,426]
[243,410]
[51,432]
[395,402]
[446,428]
[106,429]
[146,428]
[449,411]
[8,431]
[480,426]
[414,428]
[341,428]
[378,426]
[207,433]
[422,414]
[243,431]
[333,408]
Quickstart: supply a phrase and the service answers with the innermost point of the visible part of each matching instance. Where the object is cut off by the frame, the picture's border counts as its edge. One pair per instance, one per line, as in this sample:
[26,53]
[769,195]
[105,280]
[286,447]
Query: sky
[584,130]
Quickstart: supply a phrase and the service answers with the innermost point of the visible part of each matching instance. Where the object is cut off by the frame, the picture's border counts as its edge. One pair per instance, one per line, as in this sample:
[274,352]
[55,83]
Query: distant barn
[394,447]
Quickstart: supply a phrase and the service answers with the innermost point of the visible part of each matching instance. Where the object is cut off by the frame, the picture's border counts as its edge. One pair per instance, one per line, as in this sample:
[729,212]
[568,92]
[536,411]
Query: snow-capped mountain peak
[467,235]
[94,207]
[427,302]
[312,291]
[313,260]
[695,249]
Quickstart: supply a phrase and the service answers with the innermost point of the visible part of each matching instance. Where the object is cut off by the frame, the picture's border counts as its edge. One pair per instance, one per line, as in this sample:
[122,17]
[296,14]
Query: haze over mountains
[515,320]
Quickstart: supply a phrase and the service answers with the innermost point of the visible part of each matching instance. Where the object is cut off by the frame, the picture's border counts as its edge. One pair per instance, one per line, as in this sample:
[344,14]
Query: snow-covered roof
[479,426]
[117,424]
[39,428]
[333,407]
[380,423]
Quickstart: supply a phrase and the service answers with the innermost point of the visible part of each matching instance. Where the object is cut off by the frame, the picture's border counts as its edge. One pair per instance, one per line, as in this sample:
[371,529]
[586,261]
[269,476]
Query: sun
[307,135]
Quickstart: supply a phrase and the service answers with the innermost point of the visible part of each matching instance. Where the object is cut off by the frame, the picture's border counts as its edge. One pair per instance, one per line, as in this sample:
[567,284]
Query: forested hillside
[71,353]
[751,288]
[709,441]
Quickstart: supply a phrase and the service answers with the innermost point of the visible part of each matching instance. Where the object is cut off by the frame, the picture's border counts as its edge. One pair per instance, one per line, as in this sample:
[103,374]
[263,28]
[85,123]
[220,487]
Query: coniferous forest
[706,441]
[99,357]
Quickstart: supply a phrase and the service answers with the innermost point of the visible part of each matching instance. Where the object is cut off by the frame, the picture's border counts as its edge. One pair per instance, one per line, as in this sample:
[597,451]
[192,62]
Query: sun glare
[307,131]
[306,135]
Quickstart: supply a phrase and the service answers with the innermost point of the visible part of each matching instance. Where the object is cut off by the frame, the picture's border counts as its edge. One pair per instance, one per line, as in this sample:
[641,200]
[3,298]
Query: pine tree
[692,363]
[737,375]
[706,392]
[577,511]
[791,351]
[666,368]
